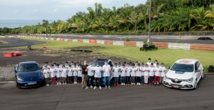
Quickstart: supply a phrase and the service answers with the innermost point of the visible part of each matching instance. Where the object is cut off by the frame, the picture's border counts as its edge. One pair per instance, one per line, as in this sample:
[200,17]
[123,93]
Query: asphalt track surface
[15,42]
[154,38]
[144,97]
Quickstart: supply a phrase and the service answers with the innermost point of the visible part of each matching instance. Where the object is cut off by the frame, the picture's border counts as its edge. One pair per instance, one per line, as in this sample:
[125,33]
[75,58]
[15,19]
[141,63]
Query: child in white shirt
[46,74]
[151,74]
[146,74]
[58,74]
[52,74]
[106,74]
[116,75]
[157,75]
[142,73]
[138,74]
[162,72]
[63,75]
[123,74]
[128,74]
[70,75]
[133,74]
[74,70]
[97,76]
[90,70]
[79,73]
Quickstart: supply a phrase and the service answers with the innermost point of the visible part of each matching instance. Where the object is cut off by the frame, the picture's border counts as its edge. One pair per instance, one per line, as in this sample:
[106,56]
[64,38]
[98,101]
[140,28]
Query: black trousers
[128,80]
[151,79]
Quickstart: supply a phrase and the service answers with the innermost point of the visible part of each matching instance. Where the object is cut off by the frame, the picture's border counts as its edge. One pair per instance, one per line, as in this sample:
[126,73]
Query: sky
[53,9]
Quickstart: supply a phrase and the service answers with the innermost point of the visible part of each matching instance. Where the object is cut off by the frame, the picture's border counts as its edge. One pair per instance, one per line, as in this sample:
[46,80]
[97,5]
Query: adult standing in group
[84,74]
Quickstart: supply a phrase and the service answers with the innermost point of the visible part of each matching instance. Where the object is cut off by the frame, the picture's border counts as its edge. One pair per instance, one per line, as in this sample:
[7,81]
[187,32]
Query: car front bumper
[29,84]
[180,85]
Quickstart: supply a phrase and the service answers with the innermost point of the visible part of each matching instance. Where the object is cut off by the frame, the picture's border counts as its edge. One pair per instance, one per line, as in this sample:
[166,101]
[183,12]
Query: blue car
[28,74]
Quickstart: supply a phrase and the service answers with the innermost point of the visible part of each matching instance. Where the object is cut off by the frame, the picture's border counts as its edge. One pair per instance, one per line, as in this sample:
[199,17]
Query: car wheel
[195,84]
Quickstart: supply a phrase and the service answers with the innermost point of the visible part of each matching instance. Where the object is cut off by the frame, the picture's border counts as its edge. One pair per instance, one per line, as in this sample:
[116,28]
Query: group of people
[95,76]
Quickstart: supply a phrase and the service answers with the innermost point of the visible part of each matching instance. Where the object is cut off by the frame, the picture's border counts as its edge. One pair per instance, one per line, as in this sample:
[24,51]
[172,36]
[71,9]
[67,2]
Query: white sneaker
[105,87]
[100,87]
[86,87]
[91,87]
[47,84]
[75,82]
[109,87]
[95,87]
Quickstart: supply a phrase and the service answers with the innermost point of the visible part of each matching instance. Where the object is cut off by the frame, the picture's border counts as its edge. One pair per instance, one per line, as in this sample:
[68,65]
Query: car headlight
[42,76]
[189,80]
[19,78]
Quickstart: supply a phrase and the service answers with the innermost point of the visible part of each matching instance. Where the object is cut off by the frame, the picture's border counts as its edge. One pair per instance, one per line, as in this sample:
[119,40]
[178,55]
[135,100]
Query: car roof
[186,61]
[27,62]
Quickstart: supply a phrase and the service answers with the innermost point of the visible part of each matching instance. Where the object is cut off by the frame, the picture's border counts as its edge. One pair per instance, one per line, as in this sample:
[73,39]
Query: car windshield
[28,67]
[100,63]
[182,67]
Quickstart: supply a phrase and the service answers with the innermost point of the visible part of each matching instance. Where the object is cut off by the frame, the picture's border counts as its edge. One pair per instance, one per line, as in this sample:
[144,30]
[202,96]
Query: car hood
[179,75]
[30,76]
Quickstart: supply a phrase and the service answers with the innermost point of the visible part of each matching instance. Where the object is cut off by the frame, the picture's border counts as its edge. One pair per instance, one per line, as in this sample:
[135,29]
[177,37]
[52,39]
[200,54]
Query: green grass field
[167,56]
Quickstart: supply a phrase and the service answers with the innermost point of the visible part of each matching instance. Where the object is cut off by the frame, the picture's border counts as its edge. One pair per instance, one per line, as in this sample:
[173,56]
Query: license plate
[176,86]
[32,83]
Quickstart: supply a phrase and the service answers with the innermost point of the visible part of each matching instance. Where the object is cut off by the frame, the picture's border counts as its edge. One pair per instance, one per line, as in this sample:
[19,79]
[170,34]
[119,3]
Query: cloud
[35,10]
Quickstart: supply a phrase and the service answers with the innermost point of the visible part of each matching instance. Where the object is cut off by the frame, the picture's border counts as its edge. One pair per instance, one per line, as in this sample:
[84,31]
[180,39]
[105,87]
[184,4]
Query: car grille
[176,81]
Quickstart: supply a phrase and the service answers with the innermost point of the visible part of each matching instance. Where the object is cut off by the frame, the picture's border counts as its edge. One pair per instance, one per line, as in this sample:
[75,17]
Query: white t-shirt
[119,73]
[97,73]
[90,70]
[70,73]
[79,71]
[133,73]
[74,69]
[123,72]
[59,72]
[128,71]
[46,73]
[146,71]
[137,70]
[163,71]
[142,70]
[64,71]
[158,71]
[53,72]
[106,69]
[151,71]
[116,71]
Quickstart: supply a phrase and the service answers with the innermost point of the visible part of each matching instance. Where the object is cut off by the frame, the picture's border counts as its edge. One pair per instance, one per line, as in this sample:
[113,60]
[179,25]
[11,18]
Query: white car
[184,74]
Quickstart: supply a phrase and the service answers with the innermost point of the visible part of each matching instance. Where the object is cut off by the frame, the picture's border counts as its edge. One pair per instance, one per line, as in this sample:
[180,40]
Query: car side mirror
[198,70]
[15,68]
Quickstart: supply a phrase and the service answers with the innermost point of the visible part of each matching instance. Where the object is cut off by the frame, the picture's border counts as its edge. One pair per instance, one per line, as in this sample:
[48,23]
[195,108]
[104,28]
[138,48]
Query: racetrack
[144,97]
[154,38]
[16,42]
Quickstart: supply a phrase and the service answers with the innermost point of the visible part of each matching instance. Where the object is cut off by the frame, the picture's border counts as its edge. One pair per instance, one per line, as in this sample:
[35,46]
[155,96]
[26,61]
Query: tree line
[166,16]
